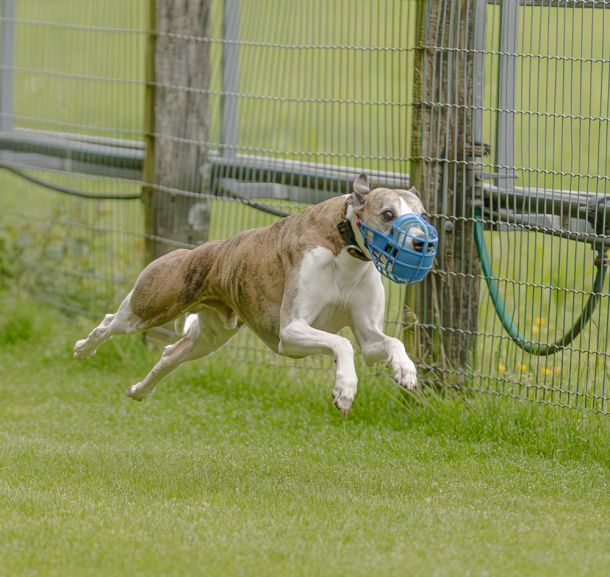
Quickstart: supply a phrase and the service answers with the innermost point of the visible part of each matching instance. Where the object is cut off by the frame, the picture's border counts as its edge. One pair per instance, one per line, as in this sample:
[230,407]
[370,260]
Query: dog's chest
[328,286]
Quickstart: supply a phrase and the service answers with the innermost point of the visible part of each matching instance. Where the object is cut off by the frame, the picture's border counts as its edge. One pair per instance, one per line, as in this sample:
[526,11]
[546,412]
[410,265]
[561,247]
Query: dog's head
[395,230]
[380,207]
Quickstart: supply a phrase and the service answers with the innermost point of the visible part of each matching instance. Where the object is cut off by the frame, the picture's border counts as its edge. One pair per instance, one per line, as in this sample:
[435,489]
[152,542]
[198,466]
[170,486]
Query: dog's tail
[183,323]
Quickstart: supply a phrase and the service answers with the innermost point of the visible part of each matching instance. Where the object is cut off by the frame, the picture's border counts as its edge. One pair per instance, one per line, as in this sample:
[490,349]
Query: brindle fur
[245,274]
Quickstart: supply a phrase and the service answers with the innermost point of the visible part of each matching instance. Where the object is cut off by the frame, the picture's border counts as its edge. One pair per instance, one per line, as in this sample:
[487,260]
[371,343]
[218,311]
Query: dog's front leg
[298,338]
[376,346]
[367,312]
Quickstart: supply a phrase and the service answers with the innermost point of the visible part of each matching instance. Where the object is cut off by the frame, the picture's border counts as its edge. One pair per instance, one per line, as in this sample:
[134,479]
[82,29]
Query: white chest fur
[329,286]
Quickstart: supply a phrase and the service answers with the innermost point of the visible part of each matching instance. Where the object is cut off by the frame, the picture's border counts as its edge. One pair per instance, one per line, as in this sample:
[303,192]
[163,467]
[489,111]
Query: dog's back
[244,275]
[252,271]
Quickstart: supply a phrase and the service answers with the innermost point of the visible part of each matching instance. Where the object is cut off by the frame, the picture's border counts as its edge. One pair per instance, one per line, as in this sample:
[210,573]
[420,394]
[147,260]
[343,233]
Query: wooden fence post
[444,170]
[177,123]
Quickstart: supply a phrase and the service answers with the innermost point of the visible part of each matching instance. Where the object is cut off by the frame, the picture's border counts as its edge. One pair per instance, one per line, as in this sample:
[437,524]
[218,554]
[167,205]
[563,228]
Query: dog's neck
[351,235]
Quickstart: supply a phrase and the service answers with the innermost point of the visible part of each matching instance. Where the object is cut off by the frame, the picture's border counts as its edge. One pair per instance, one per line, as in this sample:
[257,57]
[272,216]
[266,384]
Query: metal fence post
[480,43]
[6,57]
[230,78]
[505,136]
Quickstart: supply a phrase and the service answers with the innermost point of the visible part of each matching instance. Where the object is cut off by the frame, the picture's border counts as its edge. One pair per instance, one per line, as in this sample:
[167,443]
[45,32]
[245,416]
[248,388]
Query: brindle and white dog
[295,283]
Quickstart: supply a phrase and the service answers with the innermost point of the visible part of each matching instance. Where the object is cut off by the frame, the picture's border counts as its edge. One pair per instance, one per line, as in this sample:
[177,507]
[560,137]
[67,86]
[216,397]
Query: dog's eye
[388,215]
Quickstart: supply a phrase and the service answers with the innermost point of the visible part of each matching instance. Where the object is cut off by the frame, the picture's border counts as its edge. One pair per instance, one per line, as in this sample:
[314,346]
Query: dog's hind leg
[123,322]
[157,297]
[204,333]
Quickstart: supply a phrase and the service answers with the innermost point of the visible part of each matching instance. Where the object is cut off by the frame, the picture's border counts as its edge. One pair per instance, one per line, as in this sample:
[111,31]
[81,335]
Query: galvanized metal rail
[250,177]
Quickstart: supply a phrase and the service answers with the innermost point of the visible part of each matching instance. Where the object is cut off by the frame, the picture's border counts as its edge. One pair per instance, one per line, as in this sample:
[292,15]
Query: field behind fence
[330,84]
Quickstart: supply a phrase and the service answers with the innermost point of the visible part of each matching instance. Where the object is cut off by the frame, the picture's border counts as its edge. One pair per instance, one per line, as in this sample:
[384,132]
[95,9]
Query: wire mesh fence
[128,129]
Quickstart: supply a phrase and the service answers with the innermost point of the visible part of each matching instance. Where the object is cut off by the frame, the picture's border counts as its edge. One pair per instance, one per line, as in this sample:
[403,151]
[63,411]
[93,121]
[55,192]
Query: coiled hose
[531,347]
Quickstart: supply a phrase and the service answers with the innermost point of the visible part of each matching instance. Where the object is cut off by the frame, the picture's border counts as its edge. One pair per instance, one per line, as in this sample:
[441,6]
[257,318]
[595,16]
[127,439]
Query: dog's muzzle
[405,253]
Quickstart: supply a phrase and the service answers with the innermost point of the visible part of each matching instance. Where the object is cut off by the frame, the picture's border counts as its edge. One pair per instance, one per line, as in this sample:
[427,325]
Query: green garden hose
[528,346]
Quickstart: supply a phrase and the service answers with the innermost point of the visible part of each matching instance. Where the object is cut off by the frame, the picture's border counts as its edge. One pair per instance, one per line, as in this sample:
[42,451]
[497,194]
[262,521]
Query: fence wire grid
[128,129]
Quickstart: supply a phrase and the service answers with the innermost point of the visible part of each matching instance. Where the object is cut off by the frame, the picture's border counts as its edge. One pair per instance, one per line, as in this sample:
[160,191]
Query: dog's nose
[417,240]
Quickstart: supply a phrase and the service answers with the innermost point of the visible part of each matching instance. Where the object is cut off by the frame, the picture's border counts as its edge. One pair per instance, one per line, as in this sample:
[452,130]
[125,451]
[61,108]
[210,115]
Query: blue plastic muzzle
[405,253]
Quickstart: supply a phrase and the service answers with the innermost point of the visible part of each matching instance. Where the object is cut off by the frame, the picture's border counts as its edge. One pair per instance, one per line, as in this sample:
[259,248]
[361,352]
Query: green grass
[249,470]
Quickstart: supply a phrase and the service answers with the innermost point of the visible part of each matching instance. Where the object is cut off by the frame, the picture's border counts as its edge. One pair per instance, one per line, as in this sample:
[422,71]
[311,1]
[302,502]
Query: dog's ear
[415,192]
[362,187]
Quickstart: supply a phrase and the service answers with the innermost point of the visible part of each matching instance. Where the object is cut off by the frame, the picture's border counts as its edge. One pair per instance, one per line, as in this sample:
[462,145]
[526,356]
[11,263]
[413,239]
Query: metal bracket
[598,214]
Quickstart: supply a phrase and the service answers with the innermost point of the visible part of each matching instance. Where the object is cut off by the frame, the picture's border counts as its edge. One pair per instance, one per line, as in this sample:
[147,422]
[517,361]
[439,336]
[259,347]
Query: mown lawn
[235,469]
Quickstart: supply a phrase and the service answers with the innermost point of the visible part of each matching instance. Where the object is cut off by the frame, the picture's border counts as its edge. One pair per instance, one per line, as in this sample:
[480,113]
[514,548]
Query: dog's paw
[139,392]
[343,397]
[81,350]
[405,374]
